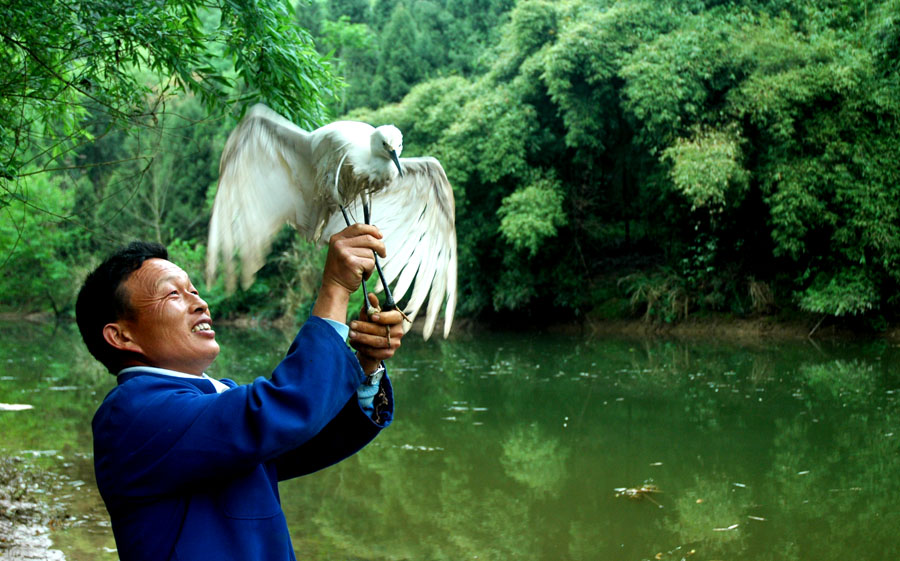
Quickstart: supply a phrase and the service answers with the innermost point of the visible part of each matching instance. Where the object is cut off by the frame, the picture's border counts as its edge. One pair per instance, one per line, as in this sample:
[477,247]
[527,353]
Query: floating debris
[675,553]
[40,453]
[638,493]
[15,406]
[421,448]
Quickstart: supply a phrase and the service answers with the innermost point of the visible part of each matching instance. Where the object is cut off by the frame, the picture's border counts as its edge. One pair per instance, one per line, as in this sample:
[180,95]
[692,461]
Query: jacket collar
[204,382]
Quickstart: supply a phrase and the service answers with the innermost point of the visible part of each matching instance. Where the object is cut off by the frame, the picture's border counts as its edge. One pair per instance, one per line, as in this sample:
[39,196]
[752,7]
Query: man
[189,466]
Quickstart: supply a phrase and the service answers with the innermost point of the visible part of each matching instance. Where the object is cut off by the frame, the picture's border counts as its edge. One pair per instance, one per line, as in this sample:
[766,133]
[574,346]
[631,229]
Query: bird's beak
[396,162]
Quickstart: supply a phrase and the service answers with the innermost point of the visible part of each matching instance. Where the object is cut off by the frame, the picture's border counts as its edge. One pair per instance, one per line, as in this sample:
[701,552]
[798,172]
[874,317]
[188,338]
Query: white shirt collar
[219,386]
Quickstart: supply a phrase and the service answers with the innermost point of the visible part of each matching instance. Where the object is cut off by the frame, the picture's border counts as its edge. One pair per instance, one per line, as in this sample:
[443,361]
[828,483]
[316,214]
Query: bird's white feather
[272,172]
[416,215]
[265,180]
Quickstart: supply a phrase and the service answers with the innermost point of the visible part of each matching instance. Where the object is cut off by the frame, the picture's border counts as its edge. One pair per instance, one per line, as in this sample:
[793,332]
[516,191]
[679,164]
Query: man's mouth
[201,327]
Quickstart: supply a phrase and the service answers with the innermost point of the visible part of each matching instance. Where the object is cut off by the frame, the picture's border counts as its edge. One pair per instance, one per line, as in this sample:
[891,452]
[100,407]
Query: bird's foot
[372,310]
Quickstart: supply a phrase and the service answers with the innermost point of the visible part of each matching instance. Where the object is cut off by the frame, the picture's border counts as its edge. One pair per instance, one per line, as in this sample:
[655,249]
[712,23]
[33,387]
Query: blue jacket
[190,474]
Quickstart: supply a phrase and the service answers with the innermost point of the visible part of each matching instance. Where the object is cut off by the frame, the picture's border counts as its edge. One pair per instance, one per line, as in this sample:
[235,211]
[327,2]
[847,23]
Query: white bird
[272,172]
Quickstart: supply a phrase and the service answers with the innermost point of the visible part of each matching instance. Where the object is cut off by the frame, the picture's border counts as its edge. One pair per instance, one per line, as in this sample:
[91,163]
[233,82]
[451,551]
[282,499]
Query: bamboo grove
[610,159]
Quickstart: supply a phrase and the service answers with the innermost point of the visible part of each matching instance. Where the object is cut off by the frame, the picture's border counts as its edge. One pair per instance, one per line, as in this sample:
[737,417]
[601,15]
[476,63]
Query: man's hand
[349,261]
[376,338]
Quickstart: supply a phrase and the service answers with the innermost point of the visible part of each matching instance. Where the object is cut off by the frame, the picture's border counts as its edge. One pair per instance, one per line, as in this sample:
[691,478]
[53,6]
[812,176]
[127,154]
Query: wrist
[368,364]
[374,378]
[332,302]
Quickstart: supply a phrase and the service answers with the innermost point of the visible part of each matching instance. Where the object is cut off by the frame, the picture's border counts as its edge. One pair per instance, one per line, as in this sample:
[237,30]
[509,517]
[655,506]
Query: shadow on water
[511,446]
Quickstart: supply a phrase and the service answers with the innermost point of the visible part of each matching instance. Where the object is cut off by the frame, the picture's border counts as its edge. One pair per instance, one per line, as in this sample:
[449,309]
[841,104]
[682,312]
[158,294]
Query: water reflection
[510,447]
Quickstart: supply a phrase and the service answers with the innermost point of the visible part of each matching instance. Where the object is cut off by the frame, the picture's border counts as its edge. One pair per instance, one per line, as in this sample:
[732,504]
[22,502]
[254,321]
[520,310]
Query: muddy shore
[26,520]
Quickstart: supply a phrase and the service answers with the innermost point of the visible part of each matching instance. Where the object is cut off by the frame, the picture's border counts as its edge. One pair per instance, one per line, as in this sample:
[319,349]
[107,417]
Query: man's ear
[119,337]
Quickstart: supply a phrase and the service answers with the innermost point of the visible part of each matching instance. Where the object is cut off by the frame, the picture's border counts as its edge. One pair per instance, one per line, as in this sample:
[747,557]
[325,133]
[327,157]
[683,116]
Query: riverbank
[740,329]
[721,326]
[25,519]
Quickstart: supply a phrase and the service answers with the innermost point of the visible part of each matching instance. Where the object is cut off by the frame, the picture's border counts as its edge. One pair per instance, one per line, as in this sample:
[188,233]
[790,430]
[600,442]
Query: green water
[511,447]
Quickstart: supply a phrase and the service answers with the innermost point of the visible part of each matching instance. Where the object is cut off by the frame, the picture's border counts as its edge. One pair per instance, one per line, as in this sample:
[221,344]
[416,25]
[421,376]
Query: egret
[272,172]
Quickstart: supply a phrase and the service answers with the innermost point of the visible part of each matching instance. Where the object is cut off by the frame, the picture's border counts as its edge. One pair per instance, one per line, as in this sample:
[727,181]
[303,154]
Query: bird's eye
[384,144]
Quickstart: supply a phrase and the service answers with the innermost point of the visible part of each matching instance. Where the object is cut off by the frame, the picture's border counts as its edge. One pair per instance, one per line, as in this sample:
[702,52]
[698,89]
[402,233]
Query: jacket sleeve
[344,436]
[158,440]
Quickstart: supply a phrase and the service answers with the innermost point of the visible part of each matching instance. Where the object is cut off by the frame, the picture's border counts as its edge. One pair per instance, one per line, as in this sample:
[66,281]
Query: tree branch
[86,166]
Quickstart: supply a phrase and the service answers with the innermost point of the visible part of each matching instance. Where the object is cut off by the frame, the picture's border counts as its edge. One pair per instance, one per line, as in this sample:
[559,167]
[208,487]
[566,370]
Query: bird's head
[387,142]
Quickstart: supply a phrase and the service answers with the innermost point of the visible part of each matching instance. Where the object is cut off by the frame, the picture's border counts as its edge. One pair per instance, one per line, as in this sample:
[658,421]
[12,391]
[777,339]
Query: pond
[515,446]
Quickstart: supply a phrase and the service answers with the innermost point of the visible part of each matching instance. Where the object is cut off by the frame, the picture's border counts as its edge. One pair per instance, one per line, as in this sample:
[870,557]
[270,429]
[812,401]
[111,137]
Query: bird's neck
[377,170]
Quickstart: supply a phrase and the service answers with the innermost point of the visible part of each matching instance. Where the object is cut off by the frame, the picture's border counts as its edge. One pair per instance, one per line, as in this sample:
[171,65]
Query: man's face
[169,322]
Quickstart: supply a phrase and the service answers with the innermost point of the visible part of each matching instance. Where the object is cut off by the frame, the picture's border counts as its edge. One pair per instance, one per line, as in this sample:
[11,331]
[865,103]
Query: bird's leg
[369,309]
[389,303]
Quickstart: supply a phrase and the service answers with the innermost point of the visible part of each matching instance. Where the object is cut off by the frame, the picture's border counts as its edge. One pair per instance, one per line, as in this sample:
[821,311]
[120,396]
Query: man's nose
[199,303]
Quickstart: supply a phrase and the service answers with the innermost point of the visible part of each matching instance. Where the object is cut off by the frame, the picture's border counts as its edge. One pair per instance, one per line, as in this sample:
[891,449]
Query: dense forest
[610,159]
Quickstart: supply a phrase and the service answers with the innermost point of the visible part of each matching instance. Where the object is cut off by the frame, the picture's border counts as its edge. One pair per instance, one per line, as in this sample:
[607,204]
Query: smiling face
[169,324]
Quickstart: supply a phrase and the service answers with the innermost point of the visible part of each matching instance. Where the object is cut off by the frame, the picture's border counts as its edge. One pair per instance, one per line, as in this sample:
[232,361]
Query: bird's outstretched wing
[416,214]
[263,175]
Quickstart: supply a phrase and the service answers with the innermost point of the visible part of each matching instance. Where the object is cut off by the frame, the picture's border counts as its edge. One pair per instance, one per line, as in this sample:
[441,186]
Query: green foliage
[488,142]
[690,149]
[113,116]
[159,190]
[40,254]
[411,41]
[399,65]
[848,291]
[670,80]
[662,294]
[532,24]
[353,46]
[707,169]
[57,63]
[772,120]
[532,214]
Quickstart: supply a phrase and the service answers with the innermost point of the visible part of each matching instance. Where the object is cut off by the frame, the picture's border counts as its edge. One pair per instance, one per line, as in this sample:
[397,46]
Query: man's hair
[103,299]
